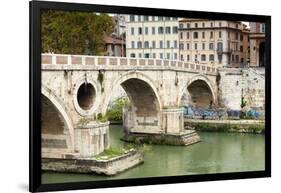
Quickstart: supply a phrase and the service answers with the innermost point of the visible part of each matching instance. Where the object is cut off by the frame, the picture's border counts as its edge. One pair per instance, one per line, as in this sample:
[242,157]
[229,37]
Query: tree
[74,32]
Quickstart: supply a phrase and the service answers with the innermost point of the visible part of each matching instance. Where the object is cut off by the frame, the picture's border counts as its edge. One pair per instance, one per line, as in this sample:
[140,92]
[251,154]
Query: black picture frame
[35,97]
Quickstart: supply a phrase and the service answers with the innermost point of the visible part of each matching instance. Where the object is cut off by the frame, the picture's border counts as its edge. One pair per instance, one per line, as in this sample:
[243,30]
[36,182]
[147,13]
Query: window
[132,55]
[187,46]
[161,44]
[168,30]
[175,44]
[146,55]
[181,57]
[168,56]
[188,58]
[219,24]
[219,34]
[153,30]
[139,44]
[153,18]
[153,44]
[203,57]
[195,58]
[242,60]
[181,35]
[154,55]
[140,31]
[181,46]
[146,30]
[139,18]
[195,46]
[212,24]
[232,58]
[167,18]
[160,19]
[211,46]
[237,58]
[175,30]
[195,35]
[220,58]
[236,36]
[146,18]
[203,25]
[132,18]
[146,44]
[160,30]
[161,55]
[241,48]
[181,25]
[188,25]
[168,44]
[241,37]
[220,47]
[211,58]
[196,25]
[262,28]
[203,35]
[132,31]
[187,35]
[132,44]
[236,25]
[211,35]
[140,55]
[203,46]
[175,56]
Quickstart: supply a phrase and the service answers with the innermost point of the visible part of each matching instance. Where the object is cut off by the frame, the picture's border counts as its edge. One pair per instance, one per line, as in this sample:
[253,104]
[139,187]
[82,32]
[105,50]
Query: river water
[216,153]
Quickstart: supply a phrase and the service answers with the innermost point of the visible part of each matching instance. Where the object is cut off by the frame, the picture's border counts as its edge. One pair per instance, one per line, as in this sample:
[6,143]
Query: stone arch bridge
[76,88]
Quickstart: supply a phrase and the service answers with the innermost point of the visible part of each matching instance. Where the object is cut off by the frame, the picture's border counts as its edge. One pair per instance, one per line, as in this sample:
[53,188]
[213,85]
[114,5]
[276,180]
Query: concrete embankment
[239,126]
[90,165]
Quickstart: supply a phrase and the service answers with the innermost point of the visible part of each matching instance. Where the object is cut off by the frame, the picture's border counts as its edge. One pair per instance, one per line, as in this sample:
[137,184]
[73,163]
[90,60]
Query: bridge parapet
[72,61]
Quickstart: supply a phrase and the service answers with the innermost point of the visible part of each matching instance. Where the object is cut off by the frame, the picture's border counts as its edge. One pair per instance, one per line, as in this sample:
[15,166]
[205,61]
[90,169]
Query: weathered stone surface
[90,165]
[183,138]
[235,126]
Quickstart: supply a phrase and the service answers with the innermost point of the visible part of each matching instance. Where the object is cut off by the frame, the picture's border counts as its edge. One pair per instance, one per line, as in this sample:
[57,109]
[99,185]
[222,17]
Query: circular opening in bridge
[86,96]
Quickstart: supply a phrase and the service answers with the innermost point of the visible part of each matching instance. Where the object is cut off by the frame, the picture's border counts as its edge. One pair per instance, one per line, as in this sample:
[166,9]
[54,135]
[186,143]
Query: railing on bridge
[60,59]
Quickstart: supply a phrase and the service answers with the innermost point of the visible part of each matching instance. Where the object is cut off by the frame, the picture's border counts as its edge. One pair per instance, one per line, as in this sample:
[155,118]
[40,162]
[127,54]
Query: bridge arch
[140,89]
[60,114]
[199,91]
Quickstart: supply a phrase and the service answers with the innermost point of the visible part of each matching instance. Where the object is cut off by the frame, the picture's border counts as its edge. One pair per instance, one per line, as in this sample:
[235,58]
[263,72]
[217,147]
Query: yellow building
[257,44]
[218,43]
[152,37]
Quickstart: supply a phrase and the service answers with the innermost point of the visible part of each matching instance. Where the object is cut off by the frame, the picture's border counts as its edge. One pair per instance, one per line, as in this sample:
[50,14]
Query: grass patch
[113,152]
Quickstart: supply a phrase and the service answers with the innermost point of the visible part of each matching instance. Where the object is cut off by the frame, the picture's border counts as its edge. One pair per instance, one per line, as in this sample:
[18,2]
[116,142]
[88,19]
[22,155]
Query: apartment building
[257,44]
[218,43]
[152,37]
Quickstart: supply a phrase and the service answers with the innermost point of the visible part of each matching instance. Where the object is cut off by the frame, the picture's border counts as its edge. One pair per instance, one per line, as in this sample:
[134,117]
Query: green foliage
[84,121]
[102,118]
[243,102]
[74,32]
[115,113]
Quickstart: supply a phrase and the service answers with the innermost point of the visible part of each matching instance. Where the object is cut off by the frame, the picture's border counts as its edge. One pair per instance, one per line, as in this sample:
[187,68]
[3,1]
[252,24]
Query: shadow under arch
[200,90]
[49,97]
[144,86]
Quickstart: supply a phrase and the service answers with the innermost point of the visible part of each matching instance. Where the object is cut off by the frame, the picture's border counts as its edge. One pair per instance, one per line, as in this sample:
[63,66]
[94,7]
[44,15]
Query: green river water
[216,153]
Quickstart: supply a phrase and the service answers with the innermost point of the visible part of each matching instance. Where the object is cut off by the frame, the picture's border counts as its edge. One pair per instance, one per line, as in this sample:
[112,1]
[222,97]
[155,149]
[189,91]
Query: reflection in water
[217,153]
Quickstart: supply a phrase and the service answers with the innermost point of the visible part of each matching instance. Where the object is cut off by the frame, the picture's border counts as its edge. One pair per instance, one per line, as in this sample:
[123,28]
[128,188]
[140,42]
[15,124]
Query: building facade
[120,25]
[257,44]
[217,43]
[152,37]
[115,46]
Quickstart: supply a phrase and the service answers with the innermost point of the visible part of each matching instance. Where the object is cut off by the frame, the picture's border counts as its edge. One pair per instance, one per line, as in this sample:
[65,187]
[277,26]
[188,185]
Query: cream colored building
[152,37]
[216,43]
